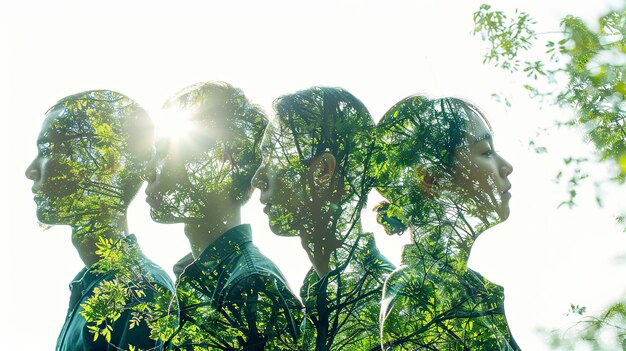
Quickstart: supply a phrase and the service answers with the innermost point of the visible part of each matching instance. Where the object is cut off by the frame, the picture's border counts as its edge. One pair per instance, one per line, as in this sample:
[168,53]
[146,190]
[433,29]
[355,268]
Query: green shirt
[76,336]
[342,308]
[427,305]
[232,297]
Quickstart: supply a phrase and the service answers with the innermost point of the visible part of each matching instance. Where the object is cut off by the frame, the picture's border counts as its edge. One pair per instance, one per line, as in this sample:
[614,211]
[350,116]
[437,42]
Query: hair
[115,138]
[325,119]
[418,137]
[241,125]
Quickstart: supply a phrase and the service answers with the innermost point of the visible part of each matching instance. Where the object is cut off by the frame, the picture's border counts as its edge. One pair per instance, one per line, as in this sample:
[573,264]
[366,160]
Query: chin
[282,229]
[48,217]
[45,219]
[162,217]
[504,214]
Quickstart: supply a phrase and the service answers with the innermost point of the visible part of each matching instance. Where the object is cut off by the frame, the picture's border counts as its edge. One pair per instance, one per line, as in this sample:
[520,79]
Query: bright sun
[174,124]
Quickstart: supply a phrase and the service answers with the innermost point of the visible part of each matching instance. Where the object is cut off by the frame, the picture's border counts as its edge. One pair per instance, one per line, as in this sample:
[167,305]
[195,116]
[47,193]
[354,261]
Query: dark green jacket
[232,297]
[427,305]
[342,308]
[75,335]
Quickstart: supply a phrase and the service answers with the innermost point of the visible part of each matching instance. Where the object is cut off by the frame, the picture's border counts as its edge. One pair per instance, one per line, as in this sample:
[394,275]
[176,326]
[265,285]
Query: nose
[150,171]
[153,180]
[259,180]
[506,168]
[32,172]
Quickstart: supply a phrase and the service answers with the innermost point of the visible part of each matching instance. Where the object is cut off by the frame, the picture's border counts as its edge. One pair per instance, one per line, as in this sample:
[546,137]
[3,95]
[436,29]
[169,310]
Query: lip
[151,200]
[507,190]
[505,195]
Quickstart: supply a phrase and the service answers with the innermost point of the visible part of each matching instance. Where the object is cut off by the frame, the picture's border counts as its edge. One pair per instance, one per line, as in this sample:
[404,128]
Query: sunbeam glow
[174,124]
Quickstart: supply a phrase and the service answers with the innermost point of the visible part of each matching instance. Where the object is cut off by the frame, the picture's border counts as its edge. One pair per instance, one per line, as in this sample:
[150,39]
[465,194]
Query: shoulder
[158,274]
[253,271]
[251,263]
[414,281]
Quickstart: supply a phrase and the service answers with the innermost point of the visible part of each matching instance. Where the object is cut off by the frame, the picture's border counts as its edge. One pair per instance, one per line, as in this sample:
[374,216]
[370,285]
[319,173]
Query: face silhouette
[481,172]
[57,170]
[203,174]
[92,151]
[280,180]
[189,175]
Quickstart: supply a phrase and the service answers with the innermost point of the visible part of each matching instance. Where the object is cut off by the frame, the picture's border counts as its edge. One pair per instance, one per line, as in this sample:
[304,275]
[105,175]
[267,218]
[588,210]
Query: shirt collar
[87,276]
[231,241]
[83,279]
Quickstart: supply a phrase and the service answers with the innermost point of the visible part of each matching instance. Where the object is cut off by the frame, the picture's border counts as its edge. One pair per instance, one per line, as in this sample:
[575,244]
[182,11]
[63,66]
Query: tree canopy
[582,67]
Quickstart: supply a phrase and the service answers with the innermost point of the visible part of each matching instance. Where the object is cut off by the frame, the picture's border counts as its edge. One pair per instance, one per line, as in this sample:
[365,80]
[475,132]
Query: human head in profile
[314,177]
[445,183]
[93,149]
[229,293]
[314,181]
[92,152]
[210,165]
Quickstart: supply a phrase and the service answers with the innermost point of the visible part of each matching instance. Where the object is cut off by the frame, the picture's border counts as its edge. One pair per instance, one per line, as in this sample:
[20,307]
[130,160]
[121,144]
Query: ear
[426,182]
[322,170]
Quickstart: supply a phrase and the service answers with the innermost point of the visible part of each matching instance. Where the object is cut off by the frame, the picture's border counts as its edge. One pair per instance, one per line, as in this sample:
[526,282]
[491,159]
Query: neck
[323,241]
[449,241]
[202,233]
[86,236]
[319,247]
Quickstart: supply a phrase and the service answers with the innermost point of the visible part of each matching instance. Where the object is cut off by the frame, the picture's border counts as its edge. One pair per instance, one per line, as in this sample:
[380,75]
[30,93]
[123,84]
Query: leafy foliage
[215,160]
[314,129]
[587,66]
[93,151]
[583,69]
[233,298]
[342,307]
[315,177]
[429,305]
[604,332]
[430,151]
[136,287]
[93,167]
[506,36]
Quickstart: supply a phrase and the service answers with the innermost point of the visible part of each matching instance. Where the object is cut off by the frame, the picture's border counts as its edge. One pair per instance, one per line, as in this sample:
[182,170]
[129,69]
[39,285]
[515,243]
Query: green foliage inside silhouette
[133,287]
[215,160]
[94,168]
[342,307]
[93,151]
[432,301]
[308,124]
[315,131]
[232,298]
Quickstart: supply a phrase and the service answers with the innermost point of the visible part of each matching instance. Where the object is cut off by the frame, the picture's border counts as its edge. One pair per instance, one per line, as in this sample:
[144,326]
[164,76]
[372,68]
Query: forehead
[276,132]
[279,145]
[51,125]
[477,128]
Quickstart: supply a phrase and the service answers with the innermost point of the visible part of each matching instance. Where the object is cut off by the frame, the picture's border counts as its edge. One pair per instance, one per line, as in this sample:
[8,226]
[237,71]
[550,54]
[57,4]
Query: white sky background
[544,257]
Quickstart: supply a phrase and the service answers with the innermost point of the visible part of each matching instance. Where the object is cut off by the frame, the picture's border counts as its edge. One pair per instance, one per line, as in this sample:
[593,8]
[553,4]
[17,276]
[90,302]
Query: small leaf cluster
[584,68]
[507,36]
[127,289]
